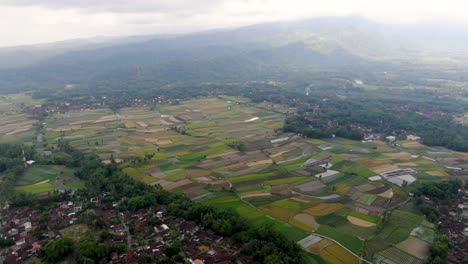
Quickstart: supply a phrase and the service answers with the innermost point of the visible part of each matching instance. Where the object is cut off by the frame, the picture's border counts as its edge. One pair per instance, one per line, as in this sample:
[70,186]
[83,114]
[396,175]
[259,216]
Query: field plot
[36,188]
[414,247]
[398,228]
[46,178]
[229,153]
[38,173]
[359,222]
[75,232]
[15,126]
[254,216]
[394,255]
[424,232]
[335,254]
[324,209]
[367,199]
[327,250]
[284,210]
[349,241]
[305,220]
[139,176]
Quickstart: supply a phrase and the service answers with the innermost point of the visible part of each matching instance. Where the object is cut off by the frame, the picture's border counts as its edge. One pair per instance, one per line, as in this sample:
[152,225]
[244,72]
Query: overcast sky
[38,21]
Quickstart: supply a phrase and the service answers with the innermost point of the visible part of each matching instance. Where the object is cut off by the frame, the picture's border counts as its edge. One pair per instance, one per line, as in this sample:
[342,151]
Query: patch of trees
[239,145]
[442,193]
[11,166]
[5,242]
[439,250]
[57,250]
[350,117]
[86,250]
[319,128]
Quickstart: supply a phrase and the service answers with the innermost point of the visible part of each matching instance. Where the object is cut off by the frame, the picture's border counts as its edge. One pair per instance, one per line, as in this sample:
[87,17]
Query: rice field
[187,147]
[36,188]
[324,209]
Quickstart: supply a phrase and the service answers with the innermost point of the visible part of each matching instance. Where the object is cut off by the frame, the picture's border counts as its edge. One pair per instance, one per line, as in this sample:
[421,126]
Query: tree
[439,249]
[34,261]
[173,249]
[56,250]
[90,251]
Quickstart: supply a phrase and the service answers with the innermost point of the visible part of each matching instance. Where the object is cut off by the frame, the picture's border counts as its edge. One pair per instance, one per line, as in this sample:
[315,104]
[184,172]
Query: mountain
[21,56]
[348,47]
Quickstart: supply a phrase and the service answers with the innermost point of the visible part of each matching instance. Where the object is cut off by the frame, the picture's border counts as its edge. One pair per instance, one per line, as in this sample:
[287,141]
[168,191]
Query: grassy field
[350,167]
[138,175]
[251,177]
[256,217]
[351,242]
[38,173]
[284,180]
[36,188]
[362,216]
[367,198]
[399,226]
[324,209]
[75,232]
[335,254]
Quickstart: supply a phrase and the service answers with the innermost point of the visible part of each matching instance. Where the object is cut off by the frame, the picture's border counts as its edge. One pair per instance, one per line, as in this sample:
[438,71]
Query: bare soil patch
[387,194]
[319,246]
[255,194]
[324,209]
[260,162]
[371,162]
[399,155]
[384,168]
[407,164]
[142,124]
[307,220]
[413,144]
[42,182]
[359,222]
[435,173]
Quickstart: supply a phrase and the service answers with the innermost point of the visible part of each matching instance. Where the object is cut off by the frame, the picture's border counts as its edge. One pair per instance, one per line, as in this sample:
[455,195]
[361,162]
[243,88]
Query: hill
[345,47]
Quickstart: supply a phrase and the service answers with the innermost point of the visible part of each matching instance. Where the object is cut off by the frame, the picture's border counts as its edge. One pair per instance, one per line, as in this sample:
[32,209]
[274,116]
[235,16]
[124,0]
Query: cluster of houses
[454,223]
[17,227]
[146,232]
[152,231]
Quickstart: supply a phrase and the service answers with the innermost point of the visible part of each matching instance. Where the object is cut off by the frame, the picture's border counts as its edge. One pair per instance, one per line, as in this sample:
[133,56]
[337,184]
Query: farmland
[231,153]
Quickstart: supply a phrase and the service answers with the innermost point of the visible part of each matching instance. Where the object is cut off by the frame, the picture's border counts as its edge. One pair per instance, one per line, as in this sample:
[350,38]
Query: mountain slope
[351,47]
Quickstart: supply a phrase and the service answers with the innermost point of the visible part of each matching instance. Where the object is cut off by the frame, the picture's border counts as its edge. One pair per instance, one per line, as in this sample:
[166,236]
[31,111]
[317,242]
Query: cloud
[121,6]
[33,21]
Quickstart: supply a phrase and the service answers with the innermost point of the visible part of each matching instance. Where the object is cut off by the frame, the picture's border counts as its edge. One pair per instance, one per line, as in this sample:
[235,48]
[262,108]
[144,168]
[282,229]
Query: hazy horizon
[28,22]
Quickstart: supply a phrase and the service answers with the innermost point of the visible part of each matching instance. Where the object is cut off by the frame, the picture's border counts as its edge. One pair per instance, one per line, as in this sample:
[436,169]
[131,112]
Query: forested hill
[349,47]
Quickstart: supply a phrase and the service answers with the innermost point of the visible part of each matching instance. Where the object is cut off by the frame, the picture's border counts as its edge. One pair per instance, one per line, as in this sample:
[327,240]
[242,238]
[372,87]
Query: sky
[41,21]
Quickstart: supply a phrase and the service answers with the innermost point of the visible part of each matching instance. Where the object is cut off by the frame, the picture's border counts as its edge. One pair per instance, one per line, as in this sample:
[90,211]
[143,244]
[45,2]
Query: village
[146,232]
[454,224]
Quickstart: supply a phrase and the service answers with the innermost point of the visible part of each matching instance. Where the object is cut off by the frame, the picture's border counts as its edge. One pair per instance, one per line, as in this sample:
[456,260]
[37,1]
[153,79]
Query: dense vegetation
[381,112]
[441,193]
[11,165]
